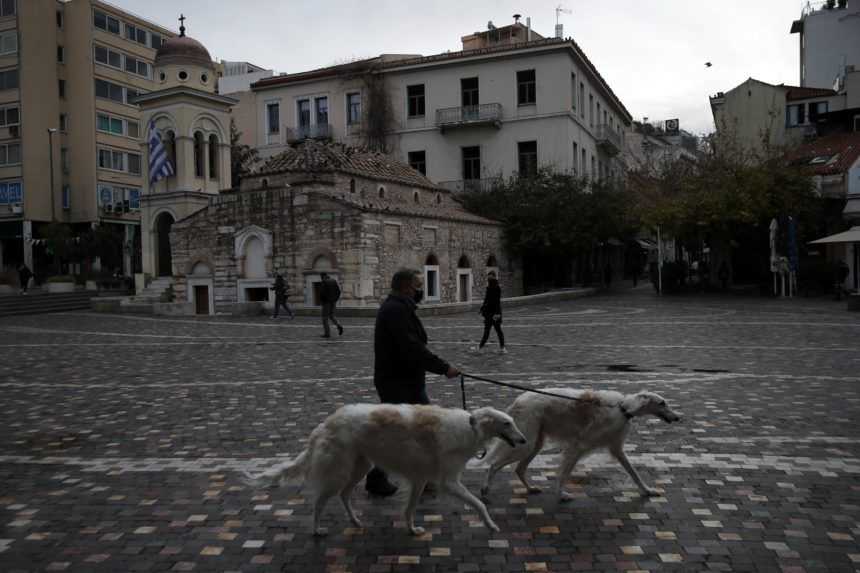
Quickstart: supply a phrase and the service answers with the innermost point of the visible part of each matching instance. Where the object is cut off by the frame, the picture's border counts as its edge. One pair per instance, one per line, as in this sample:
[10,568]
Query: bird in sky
[708,64]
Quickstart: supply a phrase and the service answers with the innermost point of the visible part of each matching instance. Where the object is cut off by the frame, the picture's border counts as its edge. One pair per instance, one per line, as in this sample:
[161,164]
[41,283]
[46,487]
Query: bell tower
[191,123]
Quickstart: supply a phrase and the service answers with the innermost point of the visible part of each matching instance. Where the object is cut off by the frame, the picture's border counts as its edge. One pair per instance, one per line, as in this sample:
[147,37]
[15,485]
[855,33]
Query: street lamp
[51,132]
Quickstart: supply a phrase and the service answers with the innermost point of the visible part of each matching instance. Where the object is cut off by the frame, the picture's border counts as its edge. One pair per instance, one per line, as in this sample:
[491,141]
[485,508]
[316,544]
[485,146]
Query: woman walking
[491,309]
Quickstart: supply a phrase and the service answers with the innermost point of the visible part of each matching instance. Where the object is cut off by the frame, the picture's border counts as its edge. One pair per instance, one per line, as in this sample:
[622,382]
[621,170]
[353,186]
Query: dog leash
[463,377]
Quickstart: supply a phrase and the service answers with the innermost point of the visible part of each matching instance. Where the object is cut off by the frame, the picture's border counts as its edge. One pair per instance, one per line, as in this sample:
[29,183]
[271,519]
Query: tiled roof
[312,156]
[797,92]
[837,153]
[449,210]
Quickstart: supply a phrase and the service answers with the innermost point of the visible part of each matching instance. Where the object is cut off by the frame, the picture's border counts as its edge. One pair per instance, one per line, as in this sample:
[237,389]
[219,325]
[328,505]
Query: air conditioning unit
[14,131]
[672,125]
[17,209]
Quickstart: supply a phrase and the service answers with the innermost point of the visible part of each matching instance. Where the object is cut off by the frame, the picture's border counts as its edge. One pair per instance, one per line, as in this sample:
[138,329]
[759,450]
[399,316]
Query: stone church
[317,207]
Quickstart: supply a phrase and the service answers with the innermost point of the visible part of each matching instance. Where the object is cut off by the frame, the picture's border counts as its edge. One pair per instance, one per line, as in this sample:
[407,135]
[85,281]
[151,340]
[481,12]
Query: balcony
[471,185]
[608,139]
[484,114]
[316,131]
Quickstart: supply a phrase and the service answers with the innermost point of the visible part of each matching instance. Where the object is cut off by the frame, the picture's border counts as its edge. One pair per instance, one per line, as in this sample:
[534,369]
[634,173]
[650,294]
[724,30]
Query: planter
[60,287]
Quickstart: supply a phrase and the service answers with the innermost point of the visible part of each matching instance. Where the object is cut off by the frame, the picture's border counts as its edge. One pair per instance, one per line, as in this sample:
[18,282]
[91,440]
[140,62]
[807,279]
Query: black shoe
[339,330]
[381,489]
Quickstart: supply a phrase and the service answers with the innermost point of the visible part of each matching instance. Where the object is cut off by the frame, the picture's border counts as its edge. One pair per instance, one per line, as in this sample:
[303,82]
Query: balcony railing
[471,185]
[484,114]
[609,139]
[317,131]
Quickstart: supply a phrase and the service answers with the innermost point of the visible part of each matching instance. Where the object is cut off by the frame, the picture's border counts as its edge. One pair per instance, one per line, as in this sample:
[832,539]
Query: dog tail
[279,473]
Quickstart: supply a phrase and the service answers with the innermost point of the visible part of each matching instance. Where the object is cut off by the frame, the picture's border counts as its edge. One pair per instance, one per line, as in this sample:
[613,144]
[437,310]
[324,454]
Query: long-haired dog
[593,421]
[421,443]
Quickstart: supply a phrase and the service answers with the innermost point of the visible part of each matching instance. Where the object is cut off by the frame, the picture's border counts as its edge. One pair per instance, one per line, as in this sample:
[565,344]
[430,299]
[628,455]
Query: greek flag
[159,164]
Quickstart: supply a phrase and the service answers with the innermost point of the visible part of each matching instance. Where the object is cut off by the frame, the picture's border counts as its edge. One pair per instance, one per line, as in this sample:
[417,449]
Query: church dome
[183,50]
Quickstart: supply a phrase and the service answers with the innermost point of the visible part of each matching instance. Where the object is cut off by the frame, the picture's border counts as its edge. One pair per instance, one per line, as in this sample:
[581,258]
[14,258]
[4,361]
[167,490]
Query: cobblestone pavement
[121,437]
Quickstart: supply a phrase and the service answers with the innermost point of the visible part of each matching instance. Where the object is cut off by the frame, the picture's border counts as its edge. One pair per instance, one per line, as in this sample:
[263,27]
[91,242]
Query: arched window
[431,260]
[382,192]
[255,262]
[491,261]
[198,154]
[170,149]
[352,185]
[416,197]
[264,183]
[463,263]
[431,277]
[213,156]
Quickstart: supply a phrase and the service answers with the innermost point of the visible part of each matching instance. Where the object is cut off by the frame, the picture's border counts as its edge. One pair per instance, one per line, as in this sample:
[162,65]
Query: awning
[852,235]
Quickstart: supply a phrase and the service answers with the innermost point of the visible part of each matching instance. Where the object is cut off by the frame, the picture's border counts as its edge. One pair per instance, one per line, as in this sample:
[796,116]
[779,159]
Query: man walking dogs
[401,357]
[329,295]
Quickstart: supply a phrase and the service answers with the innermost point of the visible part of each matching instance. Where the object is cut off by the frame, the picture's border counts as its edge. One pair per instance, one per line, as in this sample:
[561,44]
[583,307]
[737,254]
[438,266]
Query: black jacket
[329,291]
[401,356]
[492,300]
[280,287]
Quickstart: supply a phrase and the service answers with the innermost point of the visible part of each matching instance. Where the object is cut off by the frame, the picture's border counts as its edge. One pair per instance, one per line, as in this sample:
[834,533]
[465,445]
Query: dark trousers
[398,395]
[328,315]
[490,323]
[281,301]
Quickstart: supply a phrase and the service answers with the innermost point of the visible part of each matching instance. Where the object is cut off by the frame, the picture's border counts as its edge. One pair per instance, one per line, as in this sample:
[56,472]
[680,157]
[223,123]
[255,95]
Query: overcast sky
[652,52]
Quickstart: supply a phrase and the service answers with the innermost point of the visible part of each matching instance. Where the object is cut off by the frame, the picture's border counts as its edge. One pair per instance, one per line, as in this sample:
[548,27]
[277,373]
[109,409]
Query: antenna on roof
[517,18]
[559,27]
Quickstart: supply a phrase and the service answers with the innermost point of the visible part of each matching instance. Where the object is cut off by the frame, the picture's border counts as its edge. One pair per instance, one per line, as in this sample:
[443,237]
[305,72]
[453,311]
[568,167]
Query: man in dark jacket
[401,357]
[24,276]
[491,310]
[280,288]
[329,295]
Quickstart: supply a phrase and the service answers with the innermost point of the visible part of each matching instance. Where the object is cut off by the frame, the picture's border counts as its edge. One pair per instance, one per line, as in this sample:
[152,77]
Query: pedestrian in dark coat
[280,289]
[329,295]
[491,310]
[401,357]
[24,276]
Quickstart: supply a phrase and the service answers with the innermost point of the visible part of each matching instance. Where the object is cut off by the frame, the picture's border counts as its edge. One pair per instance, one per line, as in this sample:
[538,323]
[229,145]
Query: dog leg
[618,454]
[362,465]
[319,505]
[414,494]
[458,490]
[568,462]
[524,465]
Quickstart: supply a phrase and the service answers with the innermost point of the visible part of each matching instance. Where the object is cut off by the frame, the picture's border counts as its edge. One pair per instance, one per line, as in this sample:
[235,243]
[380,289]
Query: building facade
[509,102]
[70,73]
[829,40]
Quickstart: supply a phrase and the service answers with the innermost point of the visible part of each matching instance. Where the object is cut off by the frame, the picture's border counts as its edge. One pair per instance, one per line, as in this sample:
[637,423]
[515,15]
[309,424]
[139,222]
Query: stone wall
[364,237]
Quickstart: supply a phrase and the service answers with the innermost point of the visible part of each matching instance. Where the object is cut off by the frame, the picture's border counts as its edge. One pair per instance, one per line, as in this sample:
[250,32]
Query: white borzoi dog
[420,443]
[597,419]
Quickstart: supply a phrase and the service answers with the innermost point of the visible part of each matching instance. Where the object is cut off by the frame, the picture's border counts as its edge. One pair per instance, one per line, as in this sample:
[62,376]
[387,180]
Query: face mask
[418,296]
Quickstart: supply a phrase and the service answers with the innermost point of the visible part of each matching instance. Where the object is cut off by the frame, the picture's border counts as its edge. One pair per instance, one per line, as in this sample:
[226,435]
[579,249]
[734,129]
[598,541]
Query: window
[795,115]
[581,100]
[64,160]
[59,19]
[11,193]
[105,22]
[108,57]
[198,154]
[527,154]
[471,163]
[10,154]
[9,80]
[132,129]
[273,118]
[469,93]
[304,113]
[61,88]
[133,198]
[353,109]
[67,197]
[7,8]
[136,66]
[64,122]
[418,161]
[591,110]
[816,108]
[572,91]
[213,156]
[154,40]
[526,87]
[61,55]
[8,42]
[136,34]
[321,104]
[134,163]
[9,116]
[415,100]
[584,164]
[593,168]
[575,158]
[119,161]
[131,94]
[115,92]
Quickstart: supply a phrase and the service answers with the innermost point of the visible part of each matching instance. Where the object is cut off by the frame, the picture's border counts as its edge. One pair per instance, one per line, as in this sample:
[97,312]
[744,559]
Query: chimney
[528,29]
[517,18]
[559,31]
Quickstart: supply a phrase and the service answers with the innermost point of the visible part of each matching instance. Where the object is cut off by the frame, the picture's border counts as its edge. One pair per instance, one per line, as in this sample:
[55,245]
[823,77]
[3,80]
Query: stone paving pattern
[121,437]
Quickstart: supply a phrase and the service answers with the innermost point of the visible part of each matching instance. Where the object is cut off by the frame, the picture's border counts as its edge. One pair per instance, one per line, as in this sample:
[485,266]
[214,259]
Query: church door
[201,299]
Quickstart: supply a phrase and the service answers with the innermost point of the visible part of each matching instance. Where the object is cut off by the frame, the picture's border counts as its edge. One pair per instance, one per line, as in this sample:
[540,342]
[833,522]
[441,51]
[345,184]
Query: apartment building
[70,132]
[509,102]
[829,40]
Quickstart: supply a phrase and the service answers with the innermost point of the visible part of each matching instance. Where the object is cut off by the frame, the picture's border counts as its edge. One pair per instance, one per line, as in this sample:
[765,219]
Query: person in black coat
[24,276]
[401,357]
[329,295]
[280,288]
[491,310]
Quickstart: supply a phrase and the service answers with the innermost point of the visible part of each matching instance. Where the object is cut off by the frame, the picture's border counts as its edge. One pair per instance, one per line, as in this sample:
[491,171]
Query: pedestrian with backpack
[491,310]
[329,295]
[280,288]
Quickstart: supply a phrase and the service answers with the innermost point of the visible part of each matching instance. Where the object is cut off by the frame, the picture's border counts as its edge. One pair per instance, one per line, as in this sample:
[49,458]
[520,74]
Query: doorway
[163,224]
[201,299]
